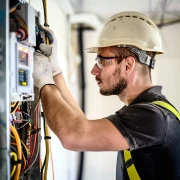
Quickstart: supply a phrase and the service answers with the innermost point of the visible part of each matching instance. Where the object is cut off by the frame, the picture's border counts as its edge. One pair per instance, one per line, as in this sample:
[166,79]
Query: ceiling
[162,12]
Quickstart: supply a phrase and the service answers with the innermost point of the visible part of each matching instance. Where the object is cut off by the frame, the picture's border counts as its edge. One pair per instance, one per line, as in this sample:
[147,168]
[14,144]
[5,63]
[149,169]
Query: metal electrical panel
[24,110]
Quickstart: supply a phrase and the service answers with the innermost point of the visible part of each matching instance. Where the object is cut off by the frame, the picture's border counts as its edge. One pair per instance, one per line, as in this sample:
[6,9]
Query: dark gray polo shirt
[153,135]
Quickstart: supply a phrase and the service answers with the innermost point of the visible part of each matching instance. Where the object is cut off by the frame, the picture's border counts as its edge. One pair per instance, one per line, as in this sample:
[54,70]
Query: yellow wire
[27,150]
[45,5]
[16,105]
[19,151]
[50,147]
[24,159]
[13,9]
[47,153]
[13,104]
[46,20]
[47,40]
[46,126]
[15,159]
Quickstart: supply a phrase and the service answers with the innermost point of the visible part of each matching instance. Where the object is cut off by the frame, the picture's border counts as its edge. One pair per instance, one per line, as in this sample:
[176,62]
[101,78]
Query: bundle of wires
[46,129]
[19,154]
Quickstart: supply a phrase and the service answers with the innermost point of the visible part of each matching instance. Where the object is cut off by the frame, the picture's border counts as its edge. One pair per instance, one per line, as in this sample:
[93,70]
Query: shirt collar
[149,95]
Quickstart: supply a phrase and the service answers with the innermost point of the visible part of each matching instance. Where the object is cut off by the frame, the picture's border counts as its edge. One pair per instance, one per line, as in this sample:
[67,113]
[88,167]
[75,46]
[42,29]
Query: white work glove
[42,71]
[51,52]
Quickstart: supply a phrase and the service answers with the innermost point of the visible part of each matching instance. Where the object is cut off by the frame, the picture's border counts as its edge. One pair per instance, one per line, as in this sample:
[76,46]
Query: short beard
[119,86]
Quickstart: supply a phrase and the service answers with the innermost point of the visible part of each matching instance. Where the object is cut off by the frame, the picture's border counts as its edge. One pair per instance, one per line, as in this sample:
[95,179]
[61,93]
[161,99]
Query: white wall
[167,69]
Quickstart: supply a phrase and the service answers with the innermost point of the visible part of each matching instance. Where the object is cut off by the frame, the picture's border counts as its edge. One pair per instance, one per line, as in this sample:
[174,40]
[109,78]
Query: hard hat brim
[94,49]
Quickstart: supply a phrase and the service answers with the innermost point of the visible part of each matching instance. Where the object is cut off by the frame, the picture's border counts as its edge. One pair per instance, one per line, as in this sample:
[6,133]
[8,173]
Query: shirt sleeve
[142,125]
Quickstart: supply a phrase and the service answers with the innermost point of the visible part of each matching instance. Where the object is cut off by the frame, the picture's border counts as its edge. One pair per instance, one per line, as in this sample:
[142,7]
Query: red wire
[35,137]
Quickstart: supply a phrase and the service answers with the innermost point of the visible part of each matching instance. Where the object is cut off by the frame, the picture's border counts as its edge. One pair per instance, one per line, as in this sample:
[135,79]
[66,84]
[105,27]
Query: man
[125,51]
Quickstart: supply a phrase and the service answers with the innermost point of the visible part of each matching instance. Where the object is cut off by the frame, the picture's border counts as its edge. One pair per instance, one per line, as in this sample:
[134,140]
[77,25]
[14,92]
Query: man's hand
[51,52]
[42,71]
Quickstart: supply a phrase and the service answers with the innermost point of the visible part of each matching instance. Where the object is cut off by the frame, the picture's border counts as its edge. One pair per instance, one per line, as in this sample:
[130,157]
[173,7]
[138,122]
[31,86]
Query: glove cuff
[45,81]
[59,71]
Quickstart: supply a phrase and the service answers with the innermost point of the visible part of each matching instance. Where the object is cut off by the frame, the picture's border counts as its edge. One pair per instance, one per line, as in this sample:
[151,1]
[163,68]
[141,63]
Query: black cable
[80,40]
[42,169]
[13,149]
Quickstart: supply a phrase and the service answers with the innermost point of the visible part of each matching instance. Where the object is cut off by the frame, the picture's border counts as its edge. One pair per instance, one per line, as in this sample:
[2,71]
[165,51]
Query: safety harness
[131,170]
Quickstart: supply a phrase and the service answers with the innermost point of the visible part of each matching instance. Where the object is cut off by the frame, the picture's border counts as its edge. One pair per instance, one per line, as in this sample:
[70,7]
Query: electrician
[125,49]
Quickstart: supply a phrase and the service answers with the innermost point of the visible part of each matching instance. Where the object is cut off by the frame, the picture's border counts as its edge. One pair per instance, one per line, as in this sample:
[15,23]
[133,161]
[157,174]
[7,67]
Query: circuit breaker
[21,70]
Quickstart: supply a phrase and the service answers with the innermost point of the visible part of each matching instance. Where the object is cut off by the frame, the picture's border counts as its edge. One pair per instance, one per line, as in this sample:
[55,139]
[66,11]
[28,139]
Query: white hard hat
[129,29]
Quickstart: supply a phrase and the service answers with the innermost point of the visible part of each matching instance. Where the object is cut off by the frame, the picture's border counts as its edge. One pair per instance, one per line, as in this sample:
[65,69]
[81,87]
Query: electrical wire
[14,107]
[35,137]
[24,160]
[19,121]
[13,104]
[22,24]
[25,113]
[19,151]
[45,13]
[14,8]
[17,24]
[46,132]
[51,160]
[23,157]
[24,125]
[14,166]
[27,151]
[47,151]
[14,149]
[34,159]
[34,145]
[44,162]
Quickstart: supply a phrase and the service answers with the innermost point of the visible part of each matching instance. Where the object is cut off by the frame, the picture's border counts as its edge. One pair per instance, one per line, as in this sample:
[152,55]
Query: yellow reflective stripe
[131,170]
[133,175]
[168,106]
[127,155]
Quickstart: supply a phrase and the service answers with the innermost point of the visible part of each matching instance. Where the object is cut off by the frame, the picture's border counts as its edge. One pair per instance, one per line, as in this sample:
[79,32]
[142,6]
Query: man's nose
[95,70]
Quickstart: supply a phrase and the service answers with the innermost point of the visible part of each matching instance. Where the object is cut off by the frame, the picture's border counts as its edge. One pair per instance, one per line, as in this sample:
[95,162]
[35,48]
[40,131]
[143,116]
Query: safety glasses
[102,61]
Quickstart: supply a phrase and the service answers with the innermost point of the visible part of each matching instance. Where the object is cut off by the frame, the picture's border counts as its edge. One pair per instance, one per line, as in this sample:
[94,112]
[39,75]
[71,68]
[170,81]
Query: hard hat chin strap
[143,57]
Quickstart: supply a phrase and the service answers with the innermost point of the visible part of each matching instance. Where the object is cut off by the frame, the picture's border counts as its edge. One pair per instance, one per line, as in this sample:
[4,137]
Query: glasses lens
[101,62]
[98,62]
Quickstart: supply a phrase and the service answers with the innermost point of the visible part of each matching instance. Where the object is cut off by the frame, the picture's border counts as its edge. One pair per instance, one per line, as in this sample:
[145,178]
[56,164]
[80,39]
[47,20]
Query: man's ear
[130,64]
